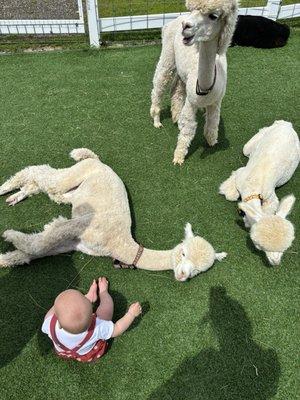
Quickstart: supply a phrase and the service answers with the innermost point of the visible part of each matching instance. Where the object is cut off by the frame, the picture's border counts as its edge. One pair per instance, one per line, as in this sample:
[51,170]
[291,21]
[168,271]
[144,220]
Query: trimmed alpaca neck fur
[153,260]
[207,62]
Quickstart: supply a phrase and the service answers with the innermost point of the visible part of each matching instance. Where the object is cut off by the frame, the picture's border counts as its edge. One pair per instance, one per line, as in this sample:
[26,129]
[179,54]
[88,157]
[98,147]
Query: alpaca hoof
[9,235]
[157,124]
[178,159]
[211,138]
[15,198]
[212,141]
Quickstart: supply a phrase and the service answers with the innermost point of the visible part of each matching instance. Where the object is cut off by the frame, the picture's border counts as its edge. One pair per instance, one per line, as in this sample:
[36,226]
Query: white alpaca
[194,50]
[100,223]
[274,154]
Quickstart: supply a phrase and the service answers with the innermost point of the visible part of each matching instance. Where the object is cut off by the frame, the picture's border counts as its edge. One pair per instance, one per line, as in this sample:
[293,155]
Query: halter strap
[200,92]
[120,265]
[83,342]
[138,255]
[254,196]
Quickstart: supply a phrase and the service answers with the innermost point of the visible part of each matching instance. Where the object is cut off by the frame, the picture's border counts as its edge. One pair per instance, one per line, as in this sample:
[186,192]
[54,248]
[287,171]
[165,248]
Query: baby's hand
[135,309]
[102,284]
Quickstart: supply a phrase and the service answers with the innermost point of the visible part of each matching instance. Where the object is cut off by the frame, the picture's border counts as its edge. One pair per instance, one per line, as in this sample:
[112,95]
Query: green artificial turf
[229,334]
[141,7]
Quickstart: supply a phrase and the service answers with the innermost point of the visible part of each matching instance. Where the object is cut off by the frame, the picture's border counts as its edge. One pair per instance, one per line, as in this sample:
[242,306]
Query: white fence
[273,10]
[43,26]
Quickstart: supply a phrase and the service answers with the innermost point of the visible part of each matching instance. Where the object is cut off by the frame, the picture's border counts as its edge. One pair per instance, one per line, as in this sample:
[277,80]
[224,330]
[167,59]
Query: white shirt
[103,330]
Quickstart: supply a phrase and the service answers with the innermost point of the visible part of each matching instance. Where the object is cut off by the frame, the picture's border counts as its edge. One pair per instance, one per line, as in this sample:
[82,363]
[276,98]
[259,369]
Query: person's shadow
[27,293]
[240,369]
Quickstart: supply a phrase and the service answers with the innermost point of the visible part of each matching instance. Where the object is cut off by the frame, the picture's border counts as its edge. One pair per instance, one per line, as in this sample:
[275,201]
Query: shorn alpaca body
[274,154]
[194,55]
[100,223]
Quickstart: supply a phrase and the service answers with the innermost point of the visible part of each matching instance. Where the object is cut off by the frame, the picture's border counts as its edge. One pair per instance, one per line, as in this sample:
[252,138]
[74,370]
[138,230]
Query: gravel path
[38,9]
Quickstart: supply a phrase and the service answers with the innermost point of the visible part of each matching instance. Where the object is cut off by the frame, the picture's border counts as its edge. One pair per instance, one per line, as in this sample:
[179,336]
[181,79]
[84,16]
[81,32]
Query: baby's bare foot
[92,295]
[102,284]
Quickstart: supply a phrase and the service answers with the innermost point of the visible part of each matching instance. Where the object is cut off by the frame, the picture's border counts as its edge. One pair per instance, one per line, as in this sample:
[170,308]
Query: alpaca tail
[12,258]
[82,154]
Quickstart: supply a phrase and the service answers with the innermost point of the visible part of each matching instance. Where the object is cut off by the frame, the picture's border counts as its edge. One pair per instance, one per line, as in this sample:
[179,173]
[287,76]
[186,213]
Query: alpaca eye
[183,254]
[241,213]
[213,17]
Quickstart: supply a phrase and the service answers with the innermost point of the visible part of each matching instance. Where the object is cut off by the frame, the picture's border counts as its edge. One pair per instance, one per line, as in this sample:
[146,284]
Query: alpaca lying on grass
[100,223]
[260,32]
[194,53]
[274,154]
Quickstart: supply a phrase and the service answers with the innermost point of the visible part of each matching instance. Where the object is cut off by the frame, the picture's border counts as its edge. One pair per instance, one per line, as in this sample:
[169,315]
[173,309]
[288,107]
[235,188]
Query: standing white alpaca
[194,49]
[100,223]
[274,154]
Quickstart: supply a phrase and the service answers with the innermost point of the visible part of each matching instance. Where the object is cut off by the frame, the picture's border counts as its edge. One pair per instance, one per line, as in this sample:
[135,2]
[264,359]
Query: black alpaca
[259,32]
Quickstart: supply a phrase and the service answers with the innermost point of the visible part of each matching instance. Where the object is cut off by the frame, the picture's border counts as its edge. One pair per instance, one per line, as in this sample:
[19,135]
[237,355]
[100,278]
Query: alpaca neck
[156,260]
[207,62]
[153,260]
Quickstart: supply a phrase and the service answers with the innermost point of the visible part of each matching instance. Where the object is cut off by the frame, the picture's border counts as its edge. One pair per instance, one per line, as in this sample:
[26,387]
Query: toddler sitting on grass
[77,332]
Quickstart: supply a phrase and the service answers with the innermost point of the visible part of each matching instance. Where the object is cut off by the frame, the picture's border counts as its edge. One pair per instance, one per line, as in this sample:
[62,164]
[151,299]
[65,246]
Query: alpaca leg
[212,119]
[12,258]
[177,98]
[20,179]
[228,188]
[55,235]
[163,74]
[28,180]
[187,124]
[26,191]
[253,142]
[18,257]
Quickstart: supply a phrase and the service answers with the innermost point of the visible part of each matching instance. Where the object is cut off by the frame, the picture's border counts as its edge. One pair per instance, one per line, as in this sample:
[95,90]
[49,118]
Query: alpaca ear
[228,29]
[188,233]
[250,211]
[286,205]
[220,256]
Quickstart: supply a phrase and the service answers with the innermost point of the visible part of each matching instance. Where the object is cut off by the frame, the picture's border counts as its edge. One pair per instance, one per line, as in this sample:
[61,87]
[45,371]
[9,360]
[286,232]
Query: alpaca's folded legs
[187,124]
[212,119]
[177,98]
[252,143]
[228,188]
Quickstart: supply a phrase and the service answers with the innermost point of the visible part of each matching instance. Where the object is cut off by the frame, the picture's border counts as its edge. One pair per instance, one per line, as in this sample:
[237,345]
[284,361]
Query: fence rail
[43,26]
[273,10]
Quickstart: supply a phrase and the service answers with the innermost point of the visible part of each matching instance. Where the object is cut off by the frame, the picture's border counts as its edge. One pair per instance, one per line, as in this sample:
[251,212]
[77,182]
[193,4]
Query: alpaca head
[272,234]
[210,19]
[193,255]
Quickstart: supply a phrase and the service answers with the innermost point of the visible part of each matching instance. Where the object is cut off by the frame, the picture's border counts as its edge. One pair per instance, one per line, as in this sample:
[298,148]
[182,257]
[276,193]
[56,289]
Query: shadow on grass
[239,369]
[26,295]
[199,140]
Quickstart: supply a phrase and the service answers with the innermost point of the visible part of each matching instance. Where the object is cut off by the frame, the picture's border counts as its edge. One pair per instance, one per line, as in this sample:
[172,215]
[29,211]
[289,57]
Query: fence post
[92,17]
[273,9]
